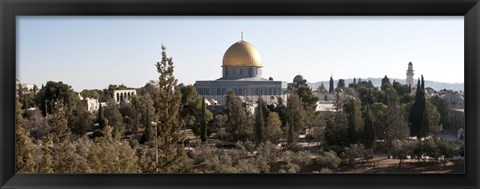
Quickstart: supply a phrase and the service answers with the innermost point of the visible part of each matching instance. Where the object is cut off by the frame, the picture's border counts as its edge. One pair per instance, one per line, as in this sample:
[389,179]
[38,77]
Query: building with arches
[242,72]
[123,95]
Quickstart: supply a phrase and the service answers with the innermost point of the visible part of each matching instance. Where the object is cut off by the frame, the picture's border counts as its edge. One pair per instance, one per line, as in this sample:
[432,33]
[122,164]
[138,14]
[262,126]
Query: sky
[91,52]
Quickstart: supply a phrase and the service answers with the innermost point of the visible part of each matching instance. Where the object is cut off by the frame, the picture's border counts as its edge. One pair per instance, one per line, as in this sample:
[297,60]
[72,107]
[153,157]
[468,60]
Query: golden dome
[242,53]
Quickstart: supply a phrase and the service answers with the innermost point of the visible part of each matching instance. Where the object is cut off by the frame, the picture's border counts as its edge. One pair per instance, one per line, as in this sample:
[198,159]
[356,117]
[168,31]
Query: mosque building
[242,73]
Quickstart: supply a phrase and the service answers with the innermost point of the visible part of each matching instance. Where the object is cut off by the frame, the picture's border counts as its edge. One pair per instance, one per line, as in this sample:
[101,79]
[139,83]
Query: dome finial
[241,36]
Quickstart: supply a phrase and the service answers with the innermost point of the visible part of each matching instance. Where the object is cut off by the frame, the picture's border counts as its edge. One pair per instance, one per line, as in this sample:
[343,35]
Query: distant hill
[378,82]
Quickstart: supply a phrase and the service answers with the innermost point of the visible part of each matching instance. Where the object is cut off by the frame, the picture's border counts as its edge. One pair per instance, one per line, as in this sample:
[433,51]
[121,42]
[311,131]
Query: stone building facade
[123,95]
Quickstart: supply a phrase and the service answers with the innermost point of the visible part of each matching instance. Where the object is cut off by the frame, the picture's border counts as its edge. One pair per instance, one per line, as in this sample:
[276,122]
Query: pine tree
[24,147]
[395,127]
[354,115]
[143,105]
[259,122]
[46,162]
[59,124]
[115,118]
[273,132]
[336,131]
[170,155]
[238,124]
[385,83]
[321,88]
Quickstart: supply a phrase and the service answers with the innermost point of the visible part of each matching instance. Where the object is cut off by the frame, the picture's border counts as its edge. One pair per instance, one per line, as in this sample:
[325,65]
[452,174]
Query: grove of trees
[56,134]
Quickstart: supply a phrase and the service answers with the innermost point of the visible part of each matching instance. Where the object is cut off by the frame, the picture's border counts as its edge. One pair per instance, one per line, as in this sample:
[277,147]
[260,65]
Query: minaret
[409,81]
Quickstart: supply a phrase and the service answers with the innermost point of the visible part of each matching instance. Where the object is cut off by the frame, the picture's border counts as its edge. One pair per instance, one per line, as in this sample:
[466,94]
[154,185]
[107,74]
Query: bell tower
[410,70]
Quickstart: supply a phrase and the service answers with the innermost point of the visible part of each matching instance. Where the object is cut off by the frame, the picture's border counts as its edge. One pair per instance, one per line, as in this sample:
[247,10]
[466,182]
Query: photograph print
[240,94]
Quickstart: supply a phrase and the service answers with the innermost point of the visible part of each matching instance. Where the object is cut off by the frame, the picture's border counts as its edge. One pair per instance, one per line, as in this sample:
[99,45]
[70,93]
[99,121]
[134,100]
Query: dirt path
[390,166]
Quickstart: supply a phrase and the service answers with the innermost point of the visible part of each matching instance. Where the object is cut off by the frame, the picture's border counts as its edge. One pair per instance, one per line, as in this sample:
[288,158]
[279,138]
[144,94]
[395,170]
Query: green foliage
[29,100]
[354,151]
[219,124]
[192,109]
[443,108]
[82,121]
[58,124]
[131,117]
[143,115]
[322,89]
[203,122]
[114,117]
[389,124]
[46,161]
[92,93]
[36,124]
[296,118]
[172,157]
[432,119]
[422,116]
[260,122]
[57,92]
[368,131]
[446,149]
[336,131]
[237,124]
[25,150]
[355,122]
[385,83]
[328,160]
[401,150]
[273,131]
[113,157]
[330,88]
[422,149]
[308,97]
[341,84]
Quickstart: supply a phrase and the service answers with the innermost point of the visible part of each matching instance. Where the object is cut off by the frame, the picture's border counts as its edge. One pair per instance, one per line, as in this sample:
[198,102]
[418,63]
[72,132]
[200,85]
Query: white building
[90,104]
[409,80]
[123,95]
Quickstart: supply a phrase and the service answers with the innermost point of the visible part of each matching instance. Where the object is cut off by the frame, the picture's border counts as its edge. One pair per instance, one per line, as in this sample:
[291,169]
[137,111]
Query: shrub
[328,160]
[353,152]
[401,150]
[446,149]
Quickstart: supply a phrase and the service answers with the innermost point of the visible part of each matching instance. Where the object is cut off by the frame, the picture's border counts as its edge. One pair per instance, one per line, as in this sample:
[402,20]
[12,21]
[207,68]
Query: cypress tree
[203,124]
[330,87]
[296,117]
[259,122]
[417,119]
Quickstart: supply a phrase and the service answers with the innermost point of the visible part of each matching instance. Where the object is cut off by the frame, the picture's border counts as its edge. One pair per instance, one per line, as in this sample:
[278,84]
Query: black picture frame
[9,9]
